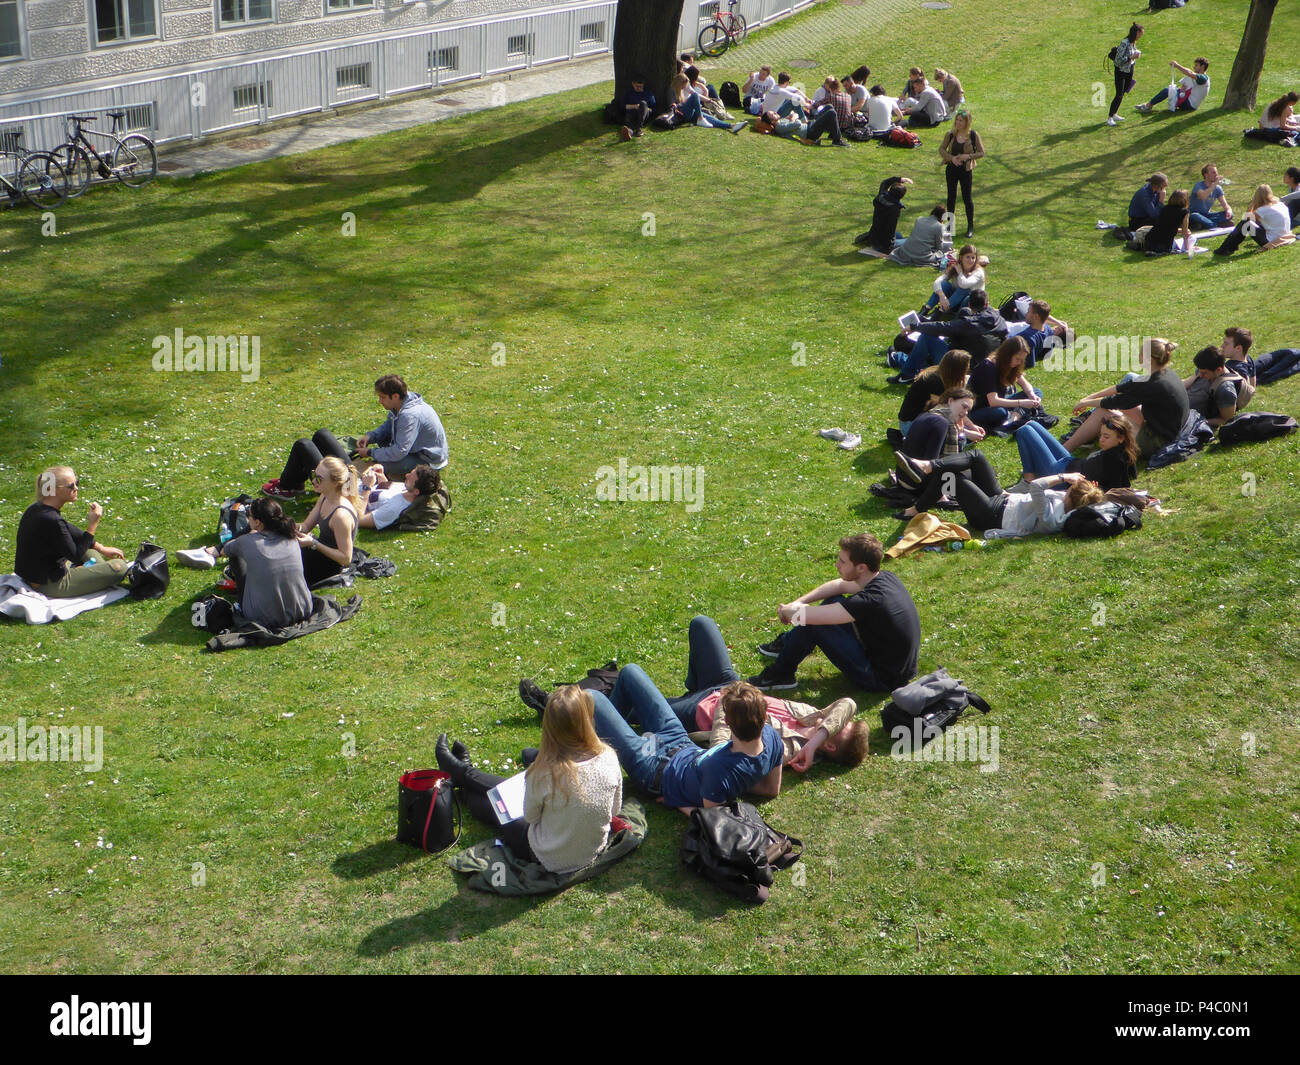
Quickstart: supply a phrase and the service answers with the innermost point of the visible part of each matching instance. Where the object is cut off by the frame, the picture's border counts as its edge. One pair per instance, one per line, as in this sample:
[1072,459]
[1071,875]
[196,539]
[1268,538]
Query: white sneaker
[835,434]
[195,558]
[850,441]
[1111,121]
[1119,117]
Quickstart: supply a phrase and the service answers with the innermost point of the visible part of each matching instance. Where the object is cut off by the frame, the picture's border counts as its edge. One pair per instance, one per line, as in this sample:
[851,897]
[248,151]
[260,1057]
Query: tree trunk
[1243,83]
[645,45]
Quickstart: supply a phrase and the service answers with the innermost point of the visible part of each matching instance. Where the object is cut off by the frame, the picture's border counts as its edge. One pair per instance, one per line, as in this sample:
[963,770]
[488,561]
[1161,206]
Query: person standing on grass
[864,621]
[53,556]
[960,149]
[1125,58]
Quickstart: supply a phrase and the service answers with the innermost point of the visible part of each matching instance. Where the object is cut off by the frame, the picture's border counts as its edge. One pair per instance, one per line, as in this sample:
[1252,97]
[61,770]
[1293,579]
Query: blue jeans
[839,643]
[1163,95]
[996,417]
[1196,220]
[640,755]
[789,106]
[957,297]
[708,668]
[927,351]
[827,121]
[693,112]
[1040,452]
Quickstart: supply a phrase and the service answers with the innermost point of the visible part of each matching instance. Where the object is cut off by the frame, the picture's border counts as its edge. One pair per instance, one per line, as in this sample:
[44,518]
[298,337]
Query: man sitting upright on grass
[53,555]
[867,625]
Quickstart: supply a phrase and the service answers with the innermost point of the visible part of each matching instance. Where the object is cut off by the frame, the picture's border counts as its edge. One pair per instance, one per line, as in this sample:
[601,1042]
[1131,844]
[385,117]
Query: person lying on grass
[970,478]
[52,555]
[1113,465]
[386,501]
[571,791]
[865,622]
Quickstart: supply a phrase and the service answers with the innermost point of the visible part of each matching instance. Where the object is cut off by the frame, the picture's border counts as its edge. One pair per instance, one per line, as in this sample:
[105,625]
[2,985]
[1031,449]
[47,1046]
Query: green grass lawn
[500,264]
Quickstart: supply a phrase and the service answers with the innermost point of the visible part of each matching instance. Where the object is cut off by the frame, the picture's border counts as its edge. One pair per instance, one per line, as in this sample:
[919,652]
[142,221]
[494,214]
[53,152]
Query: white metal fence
[198,103]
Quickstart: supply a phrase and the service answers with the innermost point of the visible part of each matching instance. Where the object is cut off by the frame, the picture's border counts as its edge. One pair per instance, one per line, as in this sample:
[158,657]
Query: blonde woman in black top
[960,149]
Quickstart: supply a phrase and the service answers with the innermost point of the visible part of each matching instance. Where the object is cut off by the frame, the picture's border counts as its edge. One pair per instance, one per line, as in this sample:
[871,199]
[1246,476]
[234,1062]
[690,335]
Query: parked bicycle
[34,176]
[133,159]
[724,31]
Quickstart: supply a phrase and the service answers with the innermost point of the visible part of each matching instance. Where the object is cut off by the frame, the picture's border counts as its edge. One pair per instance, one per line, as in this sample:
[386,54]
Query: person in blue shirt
[1144,208]
[664,761]
[638,106]
[1205,194]
[1044,333]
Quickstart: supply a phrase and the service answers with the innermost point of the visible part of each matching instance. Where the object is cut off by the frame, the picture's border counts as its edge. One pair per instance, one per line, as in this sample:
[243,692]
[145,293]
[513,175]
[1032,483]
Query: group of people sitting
[1156,222]
[723,738]
[272,567]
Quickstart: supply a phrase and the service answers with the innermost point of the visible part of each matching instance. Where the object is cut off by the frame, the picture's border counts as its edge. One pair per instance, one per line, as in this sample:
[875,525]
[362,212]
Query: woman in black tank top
[336,513]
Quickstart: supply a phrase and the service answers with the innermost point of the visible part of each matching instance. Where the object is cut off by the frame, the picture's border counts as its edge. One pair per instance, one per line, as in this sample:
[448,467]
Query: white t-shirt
[1198,92]
[880,111]
[1275,219]
[774,98]
[386,504]
[761,86]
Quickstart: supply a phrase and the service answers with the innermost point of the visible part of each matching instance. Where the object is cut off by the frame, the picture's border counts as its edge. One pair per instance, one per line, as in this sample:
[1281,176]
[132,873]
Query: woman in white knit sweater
[571,791]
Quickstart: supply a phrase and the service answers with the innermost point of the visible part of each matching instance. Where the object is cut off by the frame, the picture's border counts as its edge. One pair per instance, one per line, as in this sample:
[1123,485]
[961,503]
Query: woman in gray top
[267,567]
[924,247]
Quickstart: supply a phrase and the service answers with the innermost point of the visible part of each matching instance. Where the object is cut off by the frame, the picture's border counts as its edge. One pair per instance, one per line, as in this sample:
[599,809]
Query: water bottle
[225,535]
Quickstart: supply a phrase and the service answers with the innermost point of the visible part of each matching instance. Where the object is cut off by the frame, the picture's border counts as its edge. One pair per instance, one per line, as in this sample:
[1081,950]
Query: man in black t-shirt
[55,557]
[866,624]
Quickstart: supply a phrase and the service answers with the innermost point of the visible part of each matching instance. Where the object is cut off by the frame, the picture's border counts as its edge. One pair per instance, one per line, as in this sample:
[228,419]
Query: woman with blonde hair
[571,790]
[337,512]
[960,148]
[1155,403]
[1267,221]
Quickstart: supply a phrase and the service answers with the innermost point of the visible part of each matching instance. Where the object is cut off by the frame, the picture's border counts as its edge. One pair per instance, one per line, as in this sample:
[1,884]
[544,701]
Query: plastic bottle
[224,534]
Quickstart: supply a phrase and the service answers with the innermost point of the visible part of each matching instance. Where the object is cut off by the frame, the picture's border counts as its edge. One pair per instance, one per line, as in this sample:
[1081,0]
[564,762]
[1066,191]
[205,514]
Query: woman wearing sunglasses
[337,512]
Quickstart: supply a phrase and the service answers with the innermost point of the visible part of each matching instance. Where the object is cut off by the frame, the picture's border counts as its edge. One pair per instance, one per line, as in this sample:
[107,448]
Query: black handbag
[737,850]
[425,804]
[149,575]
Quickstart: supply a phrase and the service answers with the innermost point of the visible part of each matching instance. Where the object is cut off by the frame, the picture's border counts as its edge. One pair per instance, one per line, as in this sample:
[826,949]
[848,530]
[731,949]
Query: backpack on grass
[1258,425]
[1097,520]
[733,847]
[899,137]
[928,705]
[1014,307]
[729,94]
[234,514]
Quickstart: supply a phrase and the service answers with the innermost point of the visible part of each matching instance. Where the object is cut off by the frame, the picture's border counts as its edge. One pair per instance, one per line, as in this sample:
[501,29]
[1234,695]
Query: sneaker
[839,144]
[195,558]
[1143,108]
[625,133]
[1111,121]
[772,649]
[767,681]
[907,469]
[227,584]
[1047,421]
[833,434]
[899,379]
[850,441]
[970,232]
[272,489]
[738,127]
[638,133]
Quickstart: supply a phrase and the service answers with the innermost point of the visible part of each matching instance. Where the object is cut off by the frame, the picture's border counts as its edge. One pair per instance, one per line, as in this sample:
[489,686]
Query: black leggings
[305,456]
[1234,239]
[973,482]
[1123,83]
[514,834]
[959,175]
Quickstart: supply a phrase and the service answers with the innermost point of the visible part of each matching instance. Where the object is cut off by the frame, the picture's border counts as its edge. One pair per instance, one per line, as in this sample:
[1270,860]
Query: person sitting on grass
[1236,346]
[663,760]
[571,791]
[784,100]
[925,244]
[1004,398]
[1173,222]
[1212,390]
[1144,208]
[1193,88]
[337,512]
[1267,222]
[638,106]
[953,287]
[1291,200]
[1205,194]
[52,555]
[989,509]
[1279,120]
[687,110]
[756,87]
[882,112]
[831,97]
[886,207]
[945,428]
[864,621]
[1113,465]
[1156,403]
[949,88]
[977,329]
[412,435]
[923,107]
[931,383]
[266,565]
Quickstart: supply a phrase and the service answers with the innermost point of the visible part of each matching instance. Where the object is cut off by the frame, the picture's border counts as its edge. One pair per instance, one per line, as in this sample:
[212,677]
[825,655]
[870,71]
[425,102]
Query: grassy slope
[1120,743]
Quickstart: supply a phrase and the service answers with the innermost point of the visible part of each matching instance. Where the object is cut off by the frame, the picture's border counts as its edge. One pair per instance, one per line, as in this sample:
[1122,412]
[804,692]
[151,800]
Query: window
[356,76]
[139,116]
[11,30]
[591,33]
[347,5]
[445,58]
[248,97]
[519,45]
[241,12]
[125,20]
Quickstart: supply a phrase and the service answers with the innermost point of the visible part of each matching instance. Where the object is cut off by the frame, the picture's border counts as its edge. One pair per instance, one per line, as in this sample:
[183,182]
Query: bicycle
[723,31]
[134,159]
[37,176]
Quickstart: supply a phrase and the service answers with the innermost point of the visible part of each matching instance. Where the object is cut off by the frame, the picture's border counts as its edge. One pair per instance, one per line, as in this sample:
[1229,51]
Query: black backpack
[733,847]
[1012,308]
[1258,425]
[212,614]
[234,515]
[729,94]
[929,705]
[1101,519]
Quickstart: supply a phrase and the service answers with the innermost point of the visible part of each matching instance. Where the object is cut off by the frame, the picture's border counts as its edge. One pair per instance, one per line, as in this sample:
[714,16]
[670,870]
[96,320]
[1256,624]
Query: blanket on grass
[19,600]
[325,614]
[494,868]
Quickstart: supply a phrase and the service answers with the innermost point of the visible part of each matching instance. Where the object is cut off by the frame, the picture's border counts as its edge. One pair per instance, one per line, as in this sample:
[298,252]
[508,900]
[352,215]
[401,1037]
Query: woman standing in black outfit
[1125,57]
[960,148]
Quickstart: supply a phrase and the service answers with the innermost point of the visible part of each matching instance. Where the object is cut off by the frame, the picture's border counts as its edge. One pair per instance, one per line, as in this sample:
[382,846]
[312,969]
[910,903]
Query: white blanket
[18,600]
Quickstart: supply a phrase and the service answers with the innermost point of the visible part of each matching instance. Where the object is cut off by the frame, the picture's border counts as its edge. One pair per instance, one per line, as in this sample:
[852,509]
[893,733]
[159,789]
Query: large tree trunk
[645,45]
[1249,64]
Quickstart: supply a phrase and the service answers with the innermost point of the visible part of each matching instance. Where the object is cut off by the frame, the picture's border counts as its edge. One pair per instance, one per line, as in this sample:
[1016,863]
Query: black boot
[460,768]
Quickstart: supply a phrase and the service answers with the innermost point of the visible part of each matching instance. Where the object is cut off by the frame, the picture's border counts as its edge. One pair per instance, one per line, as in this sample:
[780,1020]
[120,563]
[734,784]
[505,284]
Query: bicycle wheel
[738,28]
[713,40]
[76,163]
[135,161]
[43,181]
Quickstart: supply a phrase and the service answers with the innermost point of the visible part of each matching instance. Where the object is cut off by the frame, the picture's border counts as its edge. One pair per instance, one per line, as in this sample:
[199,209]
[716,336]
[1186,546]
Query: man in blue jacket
[411,435]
